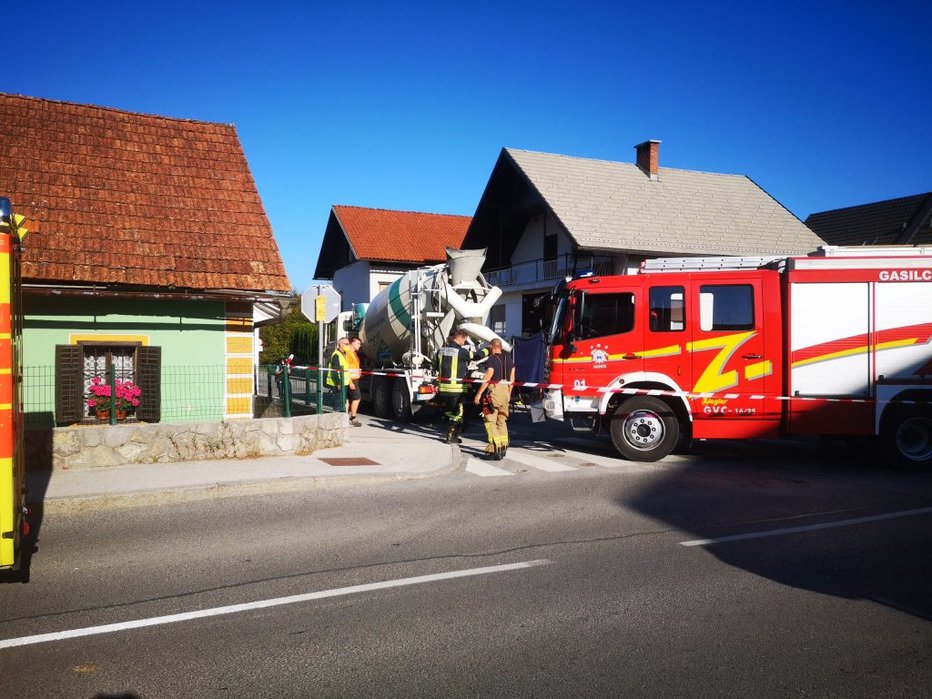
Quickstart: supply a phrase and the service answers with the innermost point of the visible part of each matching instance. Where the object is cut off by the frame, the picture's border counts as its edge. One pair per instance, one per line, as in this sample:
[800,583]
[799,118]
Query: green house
[150,261]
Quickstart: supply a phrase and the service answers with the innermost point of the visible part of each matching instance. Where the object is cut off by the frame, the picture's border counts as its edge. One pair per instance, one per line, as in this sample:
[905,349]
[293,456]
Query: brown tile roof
[136,199]
[400,236]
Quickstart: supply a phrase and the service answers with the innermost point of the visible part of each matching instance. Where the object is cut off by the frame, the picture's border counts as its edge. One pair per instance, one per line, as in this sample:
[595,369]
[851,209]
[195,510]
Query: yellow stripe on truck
[7,505]
[5,277]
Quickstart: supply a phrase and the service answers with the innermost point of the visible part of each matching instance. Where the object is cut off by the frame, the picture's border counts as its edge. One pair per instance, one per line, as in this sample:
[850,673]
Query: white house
[365,250]
[545,216]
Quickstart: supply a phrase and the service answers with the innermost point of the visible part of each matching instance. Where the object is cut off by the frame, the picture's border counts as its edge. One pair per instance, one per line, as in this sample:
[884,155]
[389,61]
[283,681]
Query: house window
[497,319]
[76,365]
[534,310]
[99,359]
[550,247]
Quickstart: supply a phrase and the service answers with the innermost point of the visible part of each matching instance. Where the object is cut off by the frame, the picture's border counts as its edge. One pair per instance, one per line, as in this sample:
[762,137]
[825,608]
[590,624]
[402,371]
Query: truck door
[608,341]
[729,357]
[668,332]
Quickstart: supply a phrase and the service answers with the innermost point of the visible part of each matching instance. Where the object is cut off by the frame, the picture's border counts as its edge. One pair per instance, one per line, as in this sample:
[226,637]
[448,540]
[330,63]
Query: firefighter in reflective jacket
[337,374]
[452,361]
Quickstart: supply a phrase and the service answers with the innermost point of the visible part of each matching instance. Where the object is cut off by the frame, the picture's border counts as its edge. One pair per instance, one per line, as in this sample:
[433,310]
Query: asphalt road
[571,582]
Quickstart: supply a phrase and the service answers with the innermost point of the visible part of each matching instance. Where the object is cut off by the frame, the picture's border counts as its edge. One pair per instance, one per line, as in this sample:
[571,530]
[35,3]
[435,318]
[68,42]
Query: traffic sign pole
[320,304]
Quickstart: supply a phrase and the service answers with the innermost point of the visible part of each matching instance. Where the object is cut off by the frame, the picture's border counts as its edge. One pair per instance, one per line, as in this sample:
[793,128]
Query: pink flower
[126,394]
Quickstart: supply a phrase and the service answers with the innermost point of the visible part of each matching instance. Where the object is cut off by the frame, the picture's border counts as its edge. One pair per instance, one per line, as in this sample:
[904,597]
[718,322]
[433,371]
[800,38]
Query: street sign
[320,304]
[320,308]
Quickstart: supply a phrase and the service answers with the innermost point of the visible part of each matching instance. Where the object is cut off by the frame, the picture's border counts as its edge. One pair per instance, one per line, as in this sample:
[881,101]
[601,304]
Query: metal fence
[540,270]
[194,393]
[298,390]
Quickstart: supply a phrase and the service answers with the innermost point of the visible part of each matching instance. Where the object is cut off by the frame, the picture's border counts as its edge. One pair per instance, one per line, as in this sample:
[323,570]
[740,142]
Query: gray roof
[902,221]
[608,205]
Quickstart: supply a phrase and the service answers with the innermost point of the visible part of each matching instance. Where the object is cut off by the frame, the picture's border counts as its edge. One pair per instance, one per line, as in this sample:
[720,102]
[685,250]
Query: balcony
[537,272]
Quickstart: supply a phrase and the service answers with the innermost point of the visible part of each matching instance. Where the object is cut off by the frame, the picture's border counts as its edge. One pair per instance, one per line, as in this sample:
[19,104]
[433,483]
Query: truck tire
[381,398]
[644,428]
[907,436]
[401,401]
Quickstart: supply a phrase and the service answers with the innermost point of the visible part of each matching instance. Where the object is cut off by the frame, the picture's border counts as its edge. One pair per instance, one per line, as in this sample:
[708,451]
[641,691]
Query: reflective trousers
[453,402]
[496,419]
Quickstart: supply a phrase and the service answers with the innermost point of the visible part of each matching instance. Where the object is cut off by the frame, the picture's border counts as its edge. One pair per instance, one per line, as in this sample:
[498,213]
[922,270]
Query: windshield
[559,316]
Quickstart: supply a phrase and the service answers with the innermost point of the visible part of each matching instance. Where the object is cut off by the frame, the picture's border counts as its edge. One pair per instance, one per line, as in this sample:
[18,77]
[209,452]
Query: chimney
[648,157]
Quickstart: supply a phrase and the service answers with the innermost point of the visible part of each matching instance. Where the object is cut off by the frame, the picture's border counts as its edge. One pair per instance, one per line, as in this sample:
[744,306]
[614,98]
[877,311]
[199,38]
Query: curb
[227,489]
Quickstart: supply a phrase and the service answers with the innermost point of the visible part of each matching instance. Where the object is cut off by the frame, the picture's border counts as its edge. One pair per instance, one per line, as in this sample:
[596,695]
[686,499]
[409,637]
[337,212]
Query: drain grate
[351,461]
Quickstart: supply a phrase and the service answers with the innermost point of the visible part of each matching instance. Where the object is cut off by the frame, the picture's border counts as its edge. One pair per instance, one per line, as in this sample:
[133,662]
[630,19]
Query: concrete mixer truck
[409,320]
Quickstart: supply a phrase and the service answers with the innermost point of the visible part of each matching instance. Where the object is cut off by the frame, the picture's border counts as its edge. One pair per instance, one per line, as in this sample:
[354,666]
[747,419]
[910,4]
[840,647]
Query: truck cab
[642,355]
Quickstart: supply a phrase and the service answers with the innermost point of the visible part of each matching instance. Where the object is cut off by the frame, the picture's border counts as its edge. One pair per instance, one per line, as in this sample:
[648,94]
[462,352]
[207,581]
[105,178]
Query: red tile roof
[134,199]
[400,236]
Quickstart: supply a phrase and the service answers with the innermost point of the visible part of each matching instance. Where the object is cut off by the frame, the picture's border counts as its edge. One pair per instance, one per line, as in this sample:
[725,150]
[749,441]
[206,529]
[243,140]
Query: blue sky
[407,106]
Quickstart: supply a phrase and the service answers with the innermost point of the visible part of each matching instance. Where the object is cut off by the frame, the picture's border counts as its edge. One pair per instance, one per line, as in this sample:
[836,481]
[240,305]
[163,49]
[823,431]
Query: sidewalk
[370,454]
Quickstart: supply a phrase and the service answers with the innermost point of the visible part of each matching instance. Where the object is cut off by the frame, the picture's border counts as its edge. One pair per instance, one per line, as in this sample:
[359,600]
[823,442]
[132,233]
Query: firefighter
[500,374]
[338,373]
[451,362]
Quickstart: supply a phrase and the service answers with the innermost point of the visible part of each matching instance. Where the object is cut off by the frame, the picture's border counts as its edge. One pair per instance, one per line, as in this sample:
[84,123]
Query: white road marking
[484,469]
[538,462]
[264,604]
[808,528]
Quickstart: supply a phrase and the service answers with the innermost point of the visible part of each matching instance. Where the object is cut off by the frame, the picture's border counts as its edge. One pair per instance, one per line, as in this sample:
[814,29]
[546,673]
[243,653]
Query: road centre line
[808,528]
[264,604]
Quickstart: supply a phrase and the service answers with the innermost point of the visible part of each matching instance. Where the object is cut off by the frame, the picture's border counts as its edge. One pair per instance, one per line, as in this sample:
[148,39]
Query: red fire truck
[835,343]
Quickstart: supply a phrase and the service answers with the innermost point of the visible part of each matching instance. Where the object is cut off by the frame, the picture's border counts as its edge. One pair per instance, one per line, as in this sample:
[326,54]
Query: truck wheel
[907,437]
[644,429]
[381,400]
[401,401]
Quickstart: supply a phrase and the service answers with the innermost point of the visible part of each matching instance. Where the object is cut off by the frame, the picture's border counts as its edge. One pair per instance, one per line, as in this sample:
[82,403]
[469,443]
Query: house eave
[150,293]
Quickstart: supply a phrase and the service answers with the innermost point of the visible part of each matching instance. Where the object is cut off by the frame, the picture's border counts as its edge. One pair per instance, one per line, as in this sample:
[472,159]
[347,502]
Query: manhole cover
[350,461]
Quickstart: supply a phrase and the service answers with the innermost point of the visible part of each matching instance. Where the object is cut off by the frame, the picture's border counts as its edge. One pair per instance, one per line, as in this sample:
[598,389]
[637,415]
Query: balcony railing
[548,270]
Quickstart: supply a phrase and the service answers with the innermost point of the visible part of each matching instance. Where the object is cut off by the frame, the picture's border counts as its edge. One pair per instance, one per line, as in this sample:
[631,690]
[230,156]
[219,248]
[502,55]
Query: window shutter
[149,379]
[69,384]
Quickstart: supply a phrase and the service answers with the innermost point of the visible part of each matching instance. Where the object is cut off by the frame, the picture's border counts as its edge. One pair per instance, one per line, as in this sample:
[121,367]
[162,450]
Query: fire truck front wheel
[907,436]
[644,429]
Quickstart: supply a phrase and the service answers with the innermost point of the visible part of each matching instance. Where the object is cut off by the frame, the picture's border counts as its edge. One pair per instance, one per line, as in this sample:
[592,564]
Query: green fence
[189,393]
[300,390]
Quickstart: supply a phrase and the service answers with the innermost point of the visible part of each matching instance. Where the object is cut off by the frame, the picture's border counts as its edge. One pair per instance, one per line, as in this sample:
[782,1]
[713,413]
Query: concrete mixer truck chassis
[408,321]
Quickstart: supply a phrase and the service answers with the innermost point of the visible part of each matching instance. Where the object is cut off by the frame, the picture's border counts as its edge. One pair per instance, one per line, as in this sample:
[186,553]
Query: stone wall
[92,446]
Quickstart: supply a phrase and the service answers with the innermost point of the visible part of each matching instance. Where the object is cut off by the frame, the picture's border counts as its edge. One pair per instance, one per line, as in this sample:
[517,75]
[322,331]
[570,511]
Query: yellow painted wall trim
[239,365]
[239,406]
[241,385]
[239,344]
[75,338]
